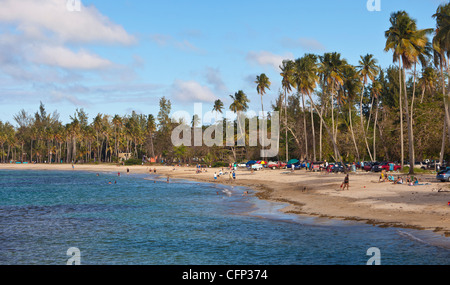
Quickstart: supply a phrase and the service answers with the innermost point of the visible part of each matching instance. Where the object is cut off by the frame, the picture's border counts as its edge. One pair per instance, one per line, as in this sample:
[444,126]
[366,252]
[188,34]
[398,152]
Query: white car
[257,166]
[242,165]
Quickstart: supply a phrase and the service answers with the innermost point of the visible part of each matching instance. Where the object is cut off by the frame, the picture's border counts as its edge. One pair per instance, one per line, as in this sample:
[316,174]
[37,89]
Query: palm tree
[376,92]
[350,88]
[262,82]
[330,71]
[427,81]
[306,79]
[406,42]
[218,107]
[287,73]
[151,128]
[368,69]
[239,105]
[441,46]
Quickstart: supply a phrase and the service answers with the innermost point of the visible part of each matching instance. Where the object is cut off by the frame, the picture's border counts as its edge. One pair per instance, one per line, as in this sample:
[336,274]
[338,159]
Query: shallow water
[143,220]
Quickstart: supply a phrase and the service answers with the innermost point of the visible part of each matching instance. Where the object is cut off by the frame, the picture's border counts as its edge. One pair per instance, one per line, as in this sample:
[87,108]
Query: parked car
[444,175]
[256,166]
[296,166]
[317,165]
[432,165]
[275,165]
[386,166]
[338,167]
[369,165]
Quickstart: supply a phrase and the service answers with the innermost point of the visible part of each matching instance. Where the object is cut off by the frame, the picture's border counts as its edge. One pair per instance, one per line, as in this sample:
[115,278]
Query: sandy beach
[422,207]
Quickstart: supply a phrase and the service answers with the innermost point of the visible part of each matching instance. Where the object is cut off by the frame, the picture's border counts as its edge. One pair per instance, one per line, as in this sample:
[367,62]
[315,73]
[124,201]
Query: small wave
[431,239]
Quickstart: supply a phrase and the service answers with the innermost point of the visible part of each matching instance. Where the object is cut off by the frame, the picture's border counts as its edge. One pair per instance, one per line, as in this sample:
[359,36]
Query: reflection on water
[139,221]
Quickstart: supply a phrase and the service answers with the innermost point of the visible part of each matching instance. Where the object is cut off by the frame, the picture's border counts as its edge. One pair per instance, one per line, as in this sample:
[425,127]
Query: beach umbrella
[251,162]
[292,161]
[262,162]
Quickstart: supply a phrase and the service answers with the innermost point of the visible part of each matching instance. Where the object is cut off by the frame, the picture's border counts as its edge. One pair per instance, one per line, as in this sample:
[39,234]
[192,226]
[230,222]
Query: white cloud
[37,18]
[267,58]
[65,58]
[191,91]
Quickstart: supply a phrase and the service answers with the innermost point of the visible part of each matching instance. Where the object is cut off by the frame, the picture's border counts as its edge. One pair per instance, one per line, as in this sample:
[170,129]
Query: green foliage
[220,164]
[133,161]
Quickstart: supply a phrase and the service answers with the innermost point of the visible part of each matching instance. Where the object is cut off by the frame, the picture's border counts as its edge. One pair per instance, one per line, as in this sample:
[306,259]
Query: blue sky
[113,57]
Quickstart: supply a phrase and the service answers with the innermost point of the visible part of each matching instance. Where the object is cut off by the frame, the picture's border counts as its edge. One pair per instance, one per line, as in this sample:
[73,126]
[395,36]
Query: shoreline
[316,194]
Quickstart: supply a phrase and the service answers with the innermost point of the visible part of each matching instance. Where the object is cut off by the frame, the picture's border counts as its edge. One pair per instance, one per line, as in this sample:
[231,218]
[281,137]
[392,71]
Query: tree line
[329,109]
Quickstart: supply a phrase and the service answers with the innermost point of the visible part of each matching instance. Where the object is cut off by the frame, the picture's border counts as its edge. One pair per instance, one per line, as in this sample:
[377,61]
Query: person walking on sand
[346,183]
[234,175]
[215,176]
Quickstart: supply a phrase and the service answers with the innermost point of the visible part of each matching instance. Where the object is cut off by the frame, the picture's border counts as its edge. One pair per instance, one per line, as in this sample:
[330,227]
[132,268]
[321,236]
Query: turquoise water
[143,220]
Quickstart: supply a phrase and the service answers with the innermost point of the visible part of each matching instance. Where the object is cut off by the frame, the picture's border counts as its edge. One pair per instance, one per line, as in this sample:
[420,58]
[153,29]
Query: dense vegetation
[329,109]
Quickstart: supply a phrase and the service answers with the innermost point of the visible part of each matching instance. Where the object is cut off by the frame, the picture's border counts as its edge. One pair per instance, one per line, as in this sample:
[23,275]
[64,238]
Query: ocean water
[141,219]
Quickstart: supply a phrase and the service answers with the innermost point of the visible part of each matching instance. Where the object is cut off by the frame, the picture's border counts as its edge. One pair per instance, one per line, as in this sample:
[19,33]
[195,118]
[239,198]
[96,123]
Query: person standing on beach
[215,176]
[346,183]
[234,175]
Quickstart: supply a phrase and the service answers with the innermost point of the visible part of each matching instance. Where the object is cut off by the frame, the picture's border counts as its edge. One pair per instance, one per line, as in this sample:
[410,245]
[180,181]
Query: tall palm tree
[406,42]
[368,69]
[151,128]
[427,81]
[330,71]
[239,105]
[350,88]
[441,46]
[262,82]
[287,74]
[376,93]
[306,79]
[218,107]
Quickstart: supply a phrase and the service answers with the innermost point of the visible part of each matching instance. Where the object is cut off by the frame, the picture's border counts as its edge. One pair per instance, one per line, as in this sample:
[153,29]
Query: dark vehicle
[444,175]
[338,167]
[297,166]
[369,165]
[434,165]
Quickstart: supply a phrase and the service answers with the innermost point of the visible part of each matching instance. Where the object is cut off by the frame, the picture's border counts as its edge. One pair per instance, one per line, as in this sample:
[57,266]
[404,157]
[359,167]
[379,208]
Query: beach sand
[318,194]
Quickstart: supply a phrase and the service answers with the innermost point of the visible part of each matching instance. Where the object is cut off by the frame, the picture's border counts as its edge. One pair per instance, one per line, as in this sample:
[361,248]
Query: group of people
[411,181]
[231,175]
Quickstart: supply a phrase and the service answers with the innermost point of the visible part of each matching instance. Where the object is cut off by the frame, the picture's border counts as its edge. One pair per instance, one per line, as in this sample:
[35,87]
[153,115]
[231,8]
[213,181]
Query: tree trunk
[320,133]
[285,123]
[313,133]
[336,150]
[401,113]
[362,121]
[304,127]
[409,124]
[444,136]
[353,133]
[374,132]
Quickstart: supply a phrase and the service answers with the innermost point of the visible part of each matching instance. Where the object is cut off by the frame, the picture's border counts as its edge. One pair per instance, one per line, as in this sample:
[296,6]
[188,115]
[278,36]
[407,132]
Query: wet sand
[423,207]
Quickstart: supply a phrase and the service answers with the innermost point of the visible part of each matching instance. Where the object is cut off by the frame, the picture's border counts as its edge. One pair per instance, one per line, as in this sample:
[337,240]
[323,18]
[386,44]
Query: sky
[115,57]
